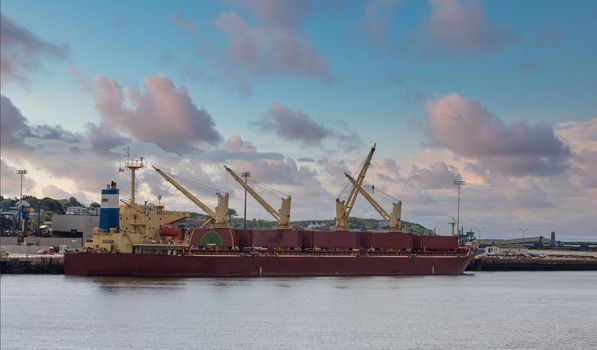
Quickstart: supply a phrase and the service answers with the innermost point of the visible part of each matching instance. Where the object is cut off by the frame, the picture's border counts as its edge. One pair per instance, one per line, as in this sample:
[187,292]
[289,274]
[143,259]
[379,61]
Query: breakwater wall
[32,264]
[485,263]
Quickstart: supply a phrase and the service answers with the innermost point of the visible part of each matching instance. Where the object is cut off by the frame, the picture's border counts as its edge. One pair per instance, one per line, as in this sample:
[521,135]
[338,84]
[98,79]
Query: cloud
[79,78]
[464,127]
[274,44]
[163,115]
[14,126]
[263,38]
[53,191]
[579,134]
[587,163]
[293,125]
[11,181]
[529,194]
[582,138]
[378,14]
[16,130]
[310,200]
[21,51]
[348,140]
[103,138]
[461,24]
[237,148]
[438,176]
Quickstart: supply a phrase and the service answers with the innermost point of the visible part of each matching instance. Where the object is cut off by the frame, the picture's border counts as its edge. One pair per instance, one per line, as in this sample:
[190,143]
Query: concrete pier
[487,263]
[32,264]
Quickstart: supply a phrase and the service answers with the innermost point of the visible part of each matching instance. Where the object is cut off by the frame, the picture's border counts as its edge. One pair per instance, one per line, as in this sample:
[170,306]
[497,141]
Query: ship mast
[392,219]
[133,165]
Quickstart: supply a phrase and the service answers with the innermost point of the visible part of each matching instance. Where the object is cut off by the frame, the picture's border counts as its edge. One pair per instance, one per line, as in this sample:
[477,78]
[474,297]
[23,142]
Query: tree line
[49,206]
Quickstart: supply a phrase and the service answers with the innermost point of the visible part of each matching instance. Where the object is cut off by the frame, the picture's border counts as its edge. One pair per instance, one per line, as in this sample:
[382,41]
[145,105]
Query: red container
[245,238]
[364,240]
[306,239]
[217,238]
[439,242]
[276,238]
[390,240]
[336,240]
[417,242]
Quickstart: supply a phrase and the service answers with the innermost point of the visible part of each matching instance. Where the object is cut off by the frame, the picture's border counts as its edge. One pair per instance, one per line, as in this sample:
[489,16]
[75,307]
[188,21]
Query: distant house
[382,224]
[318,226]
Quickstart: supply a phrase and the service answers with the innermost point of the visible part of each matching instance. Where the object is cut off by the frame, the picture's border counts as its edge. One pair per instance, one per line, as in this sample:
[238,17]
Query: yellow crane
[282,215]
[393,219]
[344,207]
[218,217]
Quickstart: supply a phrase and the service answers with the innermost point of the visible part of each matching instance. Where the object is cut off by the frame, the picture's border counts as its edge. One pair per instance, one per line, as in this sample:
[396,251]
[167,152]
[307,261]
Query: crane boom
[218,217]
[394,219]
[343,208]
[282,215]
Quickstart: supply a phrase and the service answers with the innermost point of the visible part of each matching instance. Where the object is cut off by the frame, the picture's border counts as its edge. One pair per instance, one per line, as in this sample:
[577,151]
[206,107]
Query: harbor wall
[35,265]
[484,263]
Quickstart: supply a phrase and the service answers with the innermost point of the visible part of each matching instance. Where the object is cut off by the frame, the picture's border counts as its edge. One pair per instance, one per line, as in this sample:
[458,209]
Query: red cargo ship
[139,240]
[283,253]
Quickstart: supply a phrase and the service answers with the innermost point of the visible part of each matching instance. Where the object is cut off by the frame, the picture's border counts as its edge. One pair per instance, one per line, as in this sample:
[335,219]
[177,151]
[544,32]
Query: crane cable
[266,188]
[196,185]
[379,194]
[348,184]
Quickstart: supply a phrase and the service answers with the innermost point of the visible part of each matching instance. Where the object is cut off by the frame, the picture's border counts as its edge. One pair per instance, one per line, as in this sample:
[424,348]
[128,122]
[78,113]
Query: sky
[500,94]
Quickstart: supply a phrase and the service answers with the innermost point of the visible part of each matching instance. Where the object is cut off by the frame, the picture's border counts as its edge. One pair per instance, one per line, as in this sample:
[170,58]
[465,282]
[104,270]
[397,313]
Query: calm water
[499,310]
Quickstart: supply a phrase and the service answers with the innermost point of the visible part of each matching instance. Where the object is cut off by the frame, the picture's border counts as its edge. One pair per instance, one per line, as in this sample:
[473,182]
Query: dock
[32,264]
[548,263]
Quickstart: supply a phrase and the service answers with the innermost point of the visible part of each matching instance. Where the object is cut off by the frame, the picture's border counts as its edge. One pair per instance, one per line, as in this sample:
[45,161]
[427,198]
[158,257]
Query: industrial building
[73,225]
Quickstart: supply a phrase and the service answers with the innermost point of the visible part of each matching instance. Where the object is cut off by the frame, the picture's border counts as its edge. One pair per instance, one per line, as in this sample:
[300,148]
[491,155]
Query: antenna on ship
[133,165]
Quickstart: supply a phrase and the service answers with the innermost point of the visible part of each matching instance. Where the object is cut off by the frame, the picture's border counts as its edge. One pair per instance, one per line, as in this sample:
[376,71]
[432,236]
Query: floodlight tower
[458,183]
[21,172]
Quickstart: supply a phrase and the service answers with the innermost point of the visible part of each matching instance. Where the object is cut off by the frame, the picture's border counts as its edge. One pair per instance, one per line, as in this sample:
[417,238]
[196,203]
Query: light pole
[480,228]
[523,231]
[21,172]
[246,175]
[458,183]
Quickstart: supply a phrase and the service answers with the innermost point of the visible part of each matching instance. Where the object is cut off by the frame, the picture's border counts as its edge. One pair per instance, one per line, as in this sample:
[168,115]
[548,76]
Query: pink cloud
[378,14]
[163,115]
[462,24]
[274,44]
[466,128]
[439,175]
[237,148]
[294,125]
[79,78]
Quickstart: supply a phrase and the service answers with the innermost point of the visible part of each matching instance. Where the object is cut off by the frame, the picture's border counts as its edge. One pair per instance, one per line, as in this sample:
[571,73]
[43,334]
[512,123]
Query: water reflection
[127,284]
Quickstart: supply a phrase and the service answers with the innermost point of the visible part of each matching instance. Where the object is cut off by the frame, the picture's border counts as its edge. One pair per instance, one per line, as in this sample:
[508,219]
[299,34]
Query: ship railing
[456,252]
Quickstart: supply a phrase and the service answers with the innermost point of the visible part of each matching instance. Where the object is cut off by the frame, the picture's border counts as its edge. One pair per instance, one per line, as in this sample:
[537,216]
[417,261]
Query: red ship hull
[137,265]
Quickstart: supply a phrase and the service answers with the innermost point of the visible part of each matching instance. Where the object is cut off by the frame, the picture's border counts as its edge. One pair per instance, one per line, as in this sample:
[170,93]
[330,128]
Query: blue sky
[321,80]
